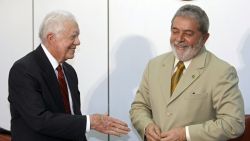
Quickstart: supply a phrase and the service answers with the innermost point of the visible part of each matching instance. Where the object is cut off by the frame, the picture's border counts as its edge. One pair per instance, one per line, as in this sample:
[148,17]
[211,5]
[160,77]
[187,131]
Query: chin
[183,56]
[70,57]
[70,54]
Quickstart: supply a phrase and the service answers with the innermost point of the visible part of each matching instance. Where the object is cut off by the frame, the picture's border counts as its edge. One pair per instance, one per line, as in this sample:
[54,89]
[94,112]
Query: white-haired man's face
[65,42]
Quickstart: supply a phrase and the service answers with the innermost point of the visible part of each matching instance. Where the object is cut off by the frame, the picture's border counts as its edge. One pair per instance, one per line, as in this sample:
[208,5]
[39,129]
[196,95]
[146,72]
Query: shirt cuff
[187,133]
[88,124]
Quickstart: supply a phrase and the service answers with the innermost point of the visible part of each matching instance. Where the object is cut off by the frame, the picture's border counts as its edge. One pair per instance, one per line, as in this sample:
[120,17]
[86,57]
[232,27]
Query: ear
[205,37]
[50,37]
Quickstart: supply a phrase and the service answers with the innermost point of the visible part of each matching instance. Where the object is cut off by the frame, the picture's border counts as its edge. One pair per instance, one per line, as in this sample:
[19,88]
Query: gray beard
[190,53]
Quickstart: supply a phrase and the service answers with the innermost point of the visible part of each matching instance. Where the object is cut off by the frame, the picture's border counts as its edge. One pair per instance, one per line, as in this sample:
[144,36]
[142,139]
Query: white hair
[54,22]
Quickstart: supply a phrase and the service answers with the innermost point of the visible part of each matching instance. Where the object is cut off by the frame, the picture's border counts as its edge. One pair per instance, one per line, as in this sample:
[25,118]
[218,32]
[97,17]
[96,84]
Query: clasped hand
[108,125]
[153,133]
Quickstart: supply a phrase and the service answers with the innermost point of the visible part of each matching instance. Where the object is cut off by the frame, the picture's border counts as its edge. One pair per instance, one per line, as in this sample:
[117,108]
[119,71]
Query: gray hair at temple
[54,23]
[196,13]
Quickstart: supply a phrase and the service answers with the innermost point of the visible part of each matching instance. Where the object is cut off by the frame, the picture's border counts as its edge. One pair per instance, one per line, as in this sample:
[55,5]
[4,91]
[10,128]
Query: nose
[77,41]
[180,37]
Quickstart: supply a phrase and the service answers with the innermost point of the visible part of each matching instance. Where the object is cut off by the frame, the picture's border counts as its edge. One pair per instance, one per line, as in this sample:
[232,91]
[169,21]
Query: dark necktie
[63,89]
[177,75]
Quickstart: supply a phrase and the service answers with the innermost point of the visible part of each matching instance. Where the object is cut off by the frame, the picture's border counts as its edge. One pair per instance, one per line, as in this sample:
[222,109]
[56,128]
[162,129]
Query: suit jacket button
[169,114]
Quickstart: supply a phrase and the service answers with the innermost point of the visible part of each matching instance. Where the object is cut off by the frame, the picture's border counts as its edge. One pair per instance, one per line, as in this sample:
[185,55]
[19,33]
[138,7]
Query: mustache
[180,44]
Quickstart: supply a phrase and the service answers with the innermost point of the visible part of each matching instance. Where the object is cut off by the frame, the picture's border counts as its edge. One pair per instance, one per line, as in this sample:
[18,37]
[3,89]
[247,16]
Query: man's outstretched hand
[108,125]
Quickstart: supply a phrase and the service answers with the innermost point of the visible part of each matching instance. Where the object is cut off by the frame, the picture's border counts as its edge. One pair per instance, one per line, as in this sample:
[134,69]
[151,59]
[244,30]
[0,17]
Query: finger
[111,132]
[154,135]
[108,120]
[122,131]
[158,131]
[114,124]
[150,138]
[117,121]
[120,126]
[164,134]
[116,131]
[121,123]
[168,136]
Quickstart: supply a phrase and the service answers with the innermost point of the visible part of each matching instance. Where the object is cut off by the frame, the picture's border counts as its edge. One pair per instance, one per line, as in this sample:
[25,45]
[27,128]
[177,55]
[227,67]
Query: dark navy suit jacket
[36,105]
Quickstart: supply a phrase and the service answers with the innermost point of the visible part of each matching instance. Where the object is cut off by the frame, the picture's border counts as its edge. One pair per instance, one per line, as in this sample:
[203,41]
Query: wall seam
[108,61]
[33,37]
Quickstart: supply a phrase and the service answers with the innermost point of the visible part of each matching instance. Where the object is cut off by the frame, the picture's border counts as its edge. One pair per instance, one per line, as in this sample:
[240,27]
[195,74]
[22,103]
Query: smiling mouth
[180,46]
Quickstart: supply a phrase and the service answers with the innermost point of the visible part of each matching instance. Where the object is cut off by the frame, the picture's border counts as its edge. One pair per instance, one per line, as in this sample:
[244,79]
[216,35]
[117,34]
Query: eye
[73,37]
[174,31]
[189,34]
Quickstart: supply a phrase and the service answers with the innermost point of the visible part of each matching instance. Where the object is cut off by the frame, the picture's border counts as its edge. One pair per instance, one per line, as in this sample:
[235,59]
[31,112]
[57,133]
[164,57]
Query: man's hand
[153,132]
[177,134]
[108,125]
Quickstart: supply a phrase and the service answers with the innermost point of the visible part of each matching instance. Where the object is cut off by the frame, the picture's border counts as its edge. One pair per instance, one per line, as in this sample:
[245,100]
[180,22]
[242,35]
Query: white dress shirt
[186,64]
[55,64]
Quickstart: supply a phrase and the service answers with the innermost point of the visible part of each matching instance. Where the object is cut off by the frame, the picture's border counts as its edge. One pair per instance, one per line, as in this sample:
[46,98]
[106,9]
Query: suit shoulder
[216,61]
[26,60]
[161,57]
[24,65]
[219,67]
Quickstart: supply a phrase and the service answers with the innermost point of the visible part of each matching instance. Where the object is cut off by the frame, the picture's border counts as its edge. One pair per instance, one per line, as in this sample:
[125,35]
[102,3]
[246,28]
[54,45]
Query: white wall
[138,30]
[15,41]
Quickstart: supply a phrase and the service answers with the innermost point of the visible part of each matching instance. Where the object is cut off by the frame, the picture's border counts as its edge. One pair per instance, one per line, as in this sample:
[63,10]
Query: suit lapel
[49,76]
[165,74]
[72,88]
[192,73]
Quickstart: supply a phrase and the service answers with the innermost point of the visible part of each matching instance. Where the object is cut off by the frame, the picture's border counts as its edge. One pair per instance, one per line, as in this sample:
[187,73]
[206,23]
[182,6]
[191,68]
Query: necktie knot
[180,65]
[177,75]
[59,68]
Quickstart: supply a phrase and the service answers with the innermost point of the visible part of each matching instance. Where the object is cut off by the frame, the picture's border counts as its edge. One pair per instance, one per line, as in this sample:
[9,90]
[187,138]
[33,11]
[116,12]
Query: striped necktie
[177,75]
[63,89]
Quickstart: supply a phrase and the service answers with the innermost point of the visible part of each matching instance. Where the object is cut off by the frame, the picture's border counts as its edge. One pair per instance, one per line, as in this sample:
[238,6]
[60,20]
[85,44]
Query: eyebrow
[76,32]
[186,30]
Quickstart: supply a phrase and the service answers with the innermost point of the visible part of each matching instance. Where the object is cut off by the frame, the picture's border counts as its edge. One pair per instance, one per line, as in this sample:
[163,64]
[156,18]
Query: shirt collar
[186,63]
[52,60]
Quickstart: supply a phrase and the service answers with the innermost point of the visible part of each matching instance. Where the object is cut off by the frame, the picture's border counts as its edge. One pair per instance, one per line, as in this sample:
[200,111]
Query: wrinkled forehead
[71,26]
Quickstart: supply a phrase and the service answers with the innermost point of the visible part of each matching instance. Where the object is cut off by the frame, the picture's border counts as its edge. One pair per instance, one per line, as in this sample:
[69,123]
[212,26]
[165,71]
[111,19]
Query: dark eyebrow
[188,30]
[173,28]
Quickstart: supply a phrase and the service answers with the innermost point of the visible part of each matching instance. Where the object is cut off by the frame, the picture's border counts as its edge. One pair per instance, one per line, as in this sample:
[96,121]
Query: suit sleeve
[28,104]
[140,112]
[228,104]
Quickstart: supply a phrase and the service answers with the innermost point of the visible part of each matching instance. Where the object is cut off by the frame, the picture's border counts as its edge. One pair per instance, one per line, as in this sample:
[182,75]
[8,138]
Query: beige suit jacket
[207,98]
